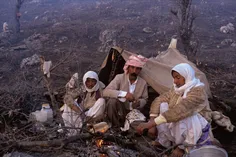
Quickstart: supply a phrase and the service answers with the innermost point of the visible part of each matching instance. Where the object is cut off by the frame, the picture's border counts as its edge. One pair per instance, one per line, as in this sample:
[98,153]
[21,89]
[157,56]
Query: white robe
[186,131]
[73,119]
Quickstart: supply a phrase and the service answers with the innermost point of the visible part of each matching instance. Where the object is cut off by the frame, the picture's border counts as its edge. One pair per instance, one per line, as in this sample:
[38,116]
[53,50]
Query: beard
[133,76]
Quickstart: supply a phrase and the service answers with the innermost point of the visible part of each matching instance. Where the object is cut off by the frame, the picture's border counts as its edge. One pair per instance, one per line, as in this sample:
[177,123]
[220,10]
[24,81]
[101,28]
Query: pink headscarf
[135,60]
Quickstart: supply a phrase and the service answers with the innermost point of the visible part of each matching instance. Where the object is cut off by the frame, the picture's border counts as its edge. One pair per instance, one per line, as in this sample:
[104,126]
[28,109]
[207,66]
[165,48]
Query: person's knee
[101,101]
[111,102]
[111,107]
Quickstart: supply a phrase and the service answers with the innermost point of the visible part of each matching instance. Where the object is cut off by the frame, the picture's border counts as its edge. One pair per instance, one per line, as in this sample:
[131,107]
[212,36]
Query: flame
[103,130]
[99,143]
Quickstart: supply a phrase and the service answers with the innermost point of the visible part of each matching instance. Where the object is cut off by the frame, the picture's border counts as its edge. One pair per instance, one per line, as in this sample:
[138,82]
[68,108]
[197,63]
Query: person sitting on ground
[181,115]
[89,106]
[126,92]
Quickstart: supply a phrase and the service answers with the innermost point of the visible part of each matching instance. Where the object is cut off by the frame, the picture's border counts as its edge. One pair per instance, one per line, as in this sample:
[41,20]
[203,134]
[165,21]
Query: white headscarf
[191,81]
[92,75]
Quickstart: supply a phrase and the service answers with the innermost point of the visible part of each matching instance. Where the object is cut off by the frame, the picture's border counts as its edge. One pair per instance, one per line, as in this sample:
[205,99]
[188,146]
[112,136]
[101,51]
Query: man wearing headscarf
[127,92]
[89,104]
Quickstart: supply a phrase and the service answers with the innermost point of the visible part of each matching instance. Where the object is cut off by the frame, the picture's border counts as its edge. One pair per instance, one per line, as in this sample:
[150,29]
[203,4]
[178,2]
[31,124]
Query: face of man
[133,72]
[90,83]
[178,79]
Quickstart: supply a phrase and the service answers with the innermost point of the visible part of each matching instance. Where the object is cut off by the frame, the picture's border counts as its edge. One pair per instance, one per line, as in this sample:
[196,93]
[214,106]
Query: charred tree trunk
[18,15]
[185,15]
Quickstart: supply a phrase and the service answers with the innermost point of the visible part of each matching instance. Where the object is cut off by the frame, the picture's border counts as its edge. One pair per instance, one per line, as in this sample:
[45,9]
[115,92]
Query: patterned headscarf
[137,61]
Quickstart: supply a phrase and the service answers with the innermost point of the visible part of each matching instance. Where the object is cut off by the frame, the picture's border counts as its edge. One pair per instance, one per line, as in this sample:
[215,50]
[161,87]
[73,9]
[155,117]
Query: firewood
[53,143]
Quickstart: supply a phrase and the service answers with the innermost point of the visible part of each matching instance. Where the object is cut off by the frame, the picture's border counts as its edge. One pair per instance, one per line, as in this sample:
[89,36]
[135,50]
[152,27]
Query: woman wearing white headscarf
[182,114]
[89,105]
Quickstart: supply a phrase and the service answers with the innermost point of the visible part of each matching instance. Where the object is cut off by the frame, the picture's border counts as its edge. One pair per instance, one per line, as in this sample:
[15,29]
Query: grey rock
[63,39]
[33,60]
[55,25]
[233,44]
[20,47]
[108,39]
[227,29]
[35,41]
[147,30]
[226,42]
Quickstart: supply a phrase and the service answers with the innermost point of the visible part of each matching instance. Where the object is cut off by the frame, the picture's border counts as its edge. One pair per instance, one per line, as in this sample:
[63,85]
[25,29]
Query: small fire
[99,143]
[103,130]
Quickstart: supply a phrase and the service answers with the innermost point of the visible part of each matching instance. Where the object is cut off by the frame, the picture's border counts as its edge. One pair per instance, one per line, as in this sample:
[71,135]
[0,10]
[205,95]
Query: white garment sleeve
[121,96]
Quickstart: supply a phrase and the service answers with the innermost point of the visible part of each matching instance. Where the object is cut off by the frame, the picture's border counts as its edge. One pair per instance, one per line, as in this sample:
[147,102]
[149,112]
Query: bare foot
[155,143]
[177,152]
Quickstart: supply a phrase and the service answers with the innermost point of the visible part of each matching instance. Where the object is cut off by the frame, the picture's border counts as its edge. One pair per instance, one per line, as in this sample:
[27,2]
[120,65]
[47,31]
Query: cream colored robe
[120,82]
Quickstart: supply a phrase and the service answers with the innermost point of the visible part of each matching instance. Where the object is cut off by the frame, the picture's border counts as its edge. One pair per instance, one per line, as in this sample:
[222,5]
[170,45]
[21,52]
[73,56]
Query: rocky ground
[76,37]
